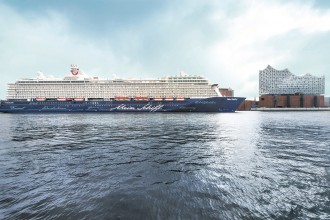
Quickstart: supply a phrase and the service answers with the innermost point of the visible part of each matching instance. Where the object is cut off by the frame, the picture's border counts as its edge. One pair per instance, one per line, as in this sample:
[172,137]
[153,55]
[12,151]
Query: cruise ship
[78,92]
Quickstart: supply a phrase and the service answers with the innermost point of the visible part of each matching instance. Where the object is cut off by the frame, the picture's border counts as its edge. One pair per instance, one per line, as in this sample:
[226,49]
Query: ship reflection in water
[165,166]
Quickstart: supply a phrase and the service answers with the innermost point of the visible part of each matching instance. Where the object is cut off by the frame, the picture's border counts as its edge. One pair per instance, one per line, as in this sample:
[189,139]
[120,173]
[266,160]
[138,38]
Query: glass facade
[276,82]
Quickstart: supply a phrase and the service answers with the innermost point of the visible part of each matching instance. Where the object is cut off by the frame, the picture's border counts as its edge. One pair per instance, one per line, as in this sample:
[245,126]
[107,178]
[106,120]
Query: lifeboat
[168,99]
[61,99]
[79,99]
[140,98]
[179,99]
[41,99]
[158,99]
[122,98]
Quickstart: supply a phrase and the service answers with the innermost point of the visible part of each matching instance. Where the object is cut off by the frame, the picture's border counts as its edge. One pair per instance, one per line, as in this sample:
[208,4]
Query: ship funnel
[74,69]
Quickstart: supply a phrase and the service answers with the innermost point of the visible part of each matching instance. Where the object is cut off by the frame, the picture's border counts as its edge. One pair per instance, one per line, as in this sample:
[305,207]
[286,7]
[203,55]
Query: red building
[291,101]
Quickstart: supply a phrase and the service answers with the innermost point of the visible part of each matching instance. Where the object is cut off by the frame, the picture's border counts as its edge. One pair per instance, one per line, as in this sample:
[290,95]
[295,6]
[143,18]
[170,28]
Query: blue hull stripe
[213,104]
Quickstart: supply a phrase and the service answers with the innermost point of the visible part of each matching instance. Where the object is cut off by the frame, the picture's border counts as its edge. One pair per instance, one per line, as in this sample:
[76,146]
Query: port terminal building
[283,89]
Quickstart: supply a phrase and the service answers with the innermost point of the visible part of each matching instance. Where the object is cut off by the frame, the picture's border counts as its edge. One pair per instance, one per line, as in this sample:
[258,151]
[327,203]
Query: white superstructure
[276,82]
[82,86]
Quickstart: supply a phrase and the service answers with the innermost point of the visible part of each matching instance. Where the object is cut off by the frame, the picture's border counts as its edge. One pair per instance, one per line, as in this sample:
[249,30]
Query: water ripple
[247,165]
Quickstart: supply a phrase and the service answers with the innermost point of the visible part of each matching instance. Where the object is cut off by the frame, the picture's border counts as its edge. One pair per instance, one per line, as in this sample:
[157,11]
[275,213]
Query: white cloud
[227,42]
[248,45]
[44,42]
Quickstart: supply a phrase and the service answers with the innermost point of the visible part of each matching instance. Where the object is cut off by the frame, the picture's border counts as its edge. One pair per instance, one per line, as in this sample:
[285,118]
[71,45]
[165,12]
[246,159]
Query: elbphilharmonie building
[277,82]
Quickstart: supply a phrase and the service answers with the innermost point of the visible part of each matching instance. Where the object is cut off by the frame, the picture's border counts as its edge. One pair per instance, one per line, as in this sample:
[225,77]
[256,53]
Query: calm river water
[244,165]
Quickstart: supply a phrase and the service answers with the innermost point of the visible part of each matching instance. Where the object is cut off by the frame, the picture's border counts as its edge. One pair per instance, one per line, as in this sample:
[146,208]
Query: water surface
[244,165]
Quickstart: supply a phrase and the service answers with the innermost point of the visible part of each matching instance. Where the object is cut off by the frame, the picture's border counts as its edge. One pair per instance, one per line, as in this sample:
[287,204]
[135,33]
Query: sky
[228,42]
